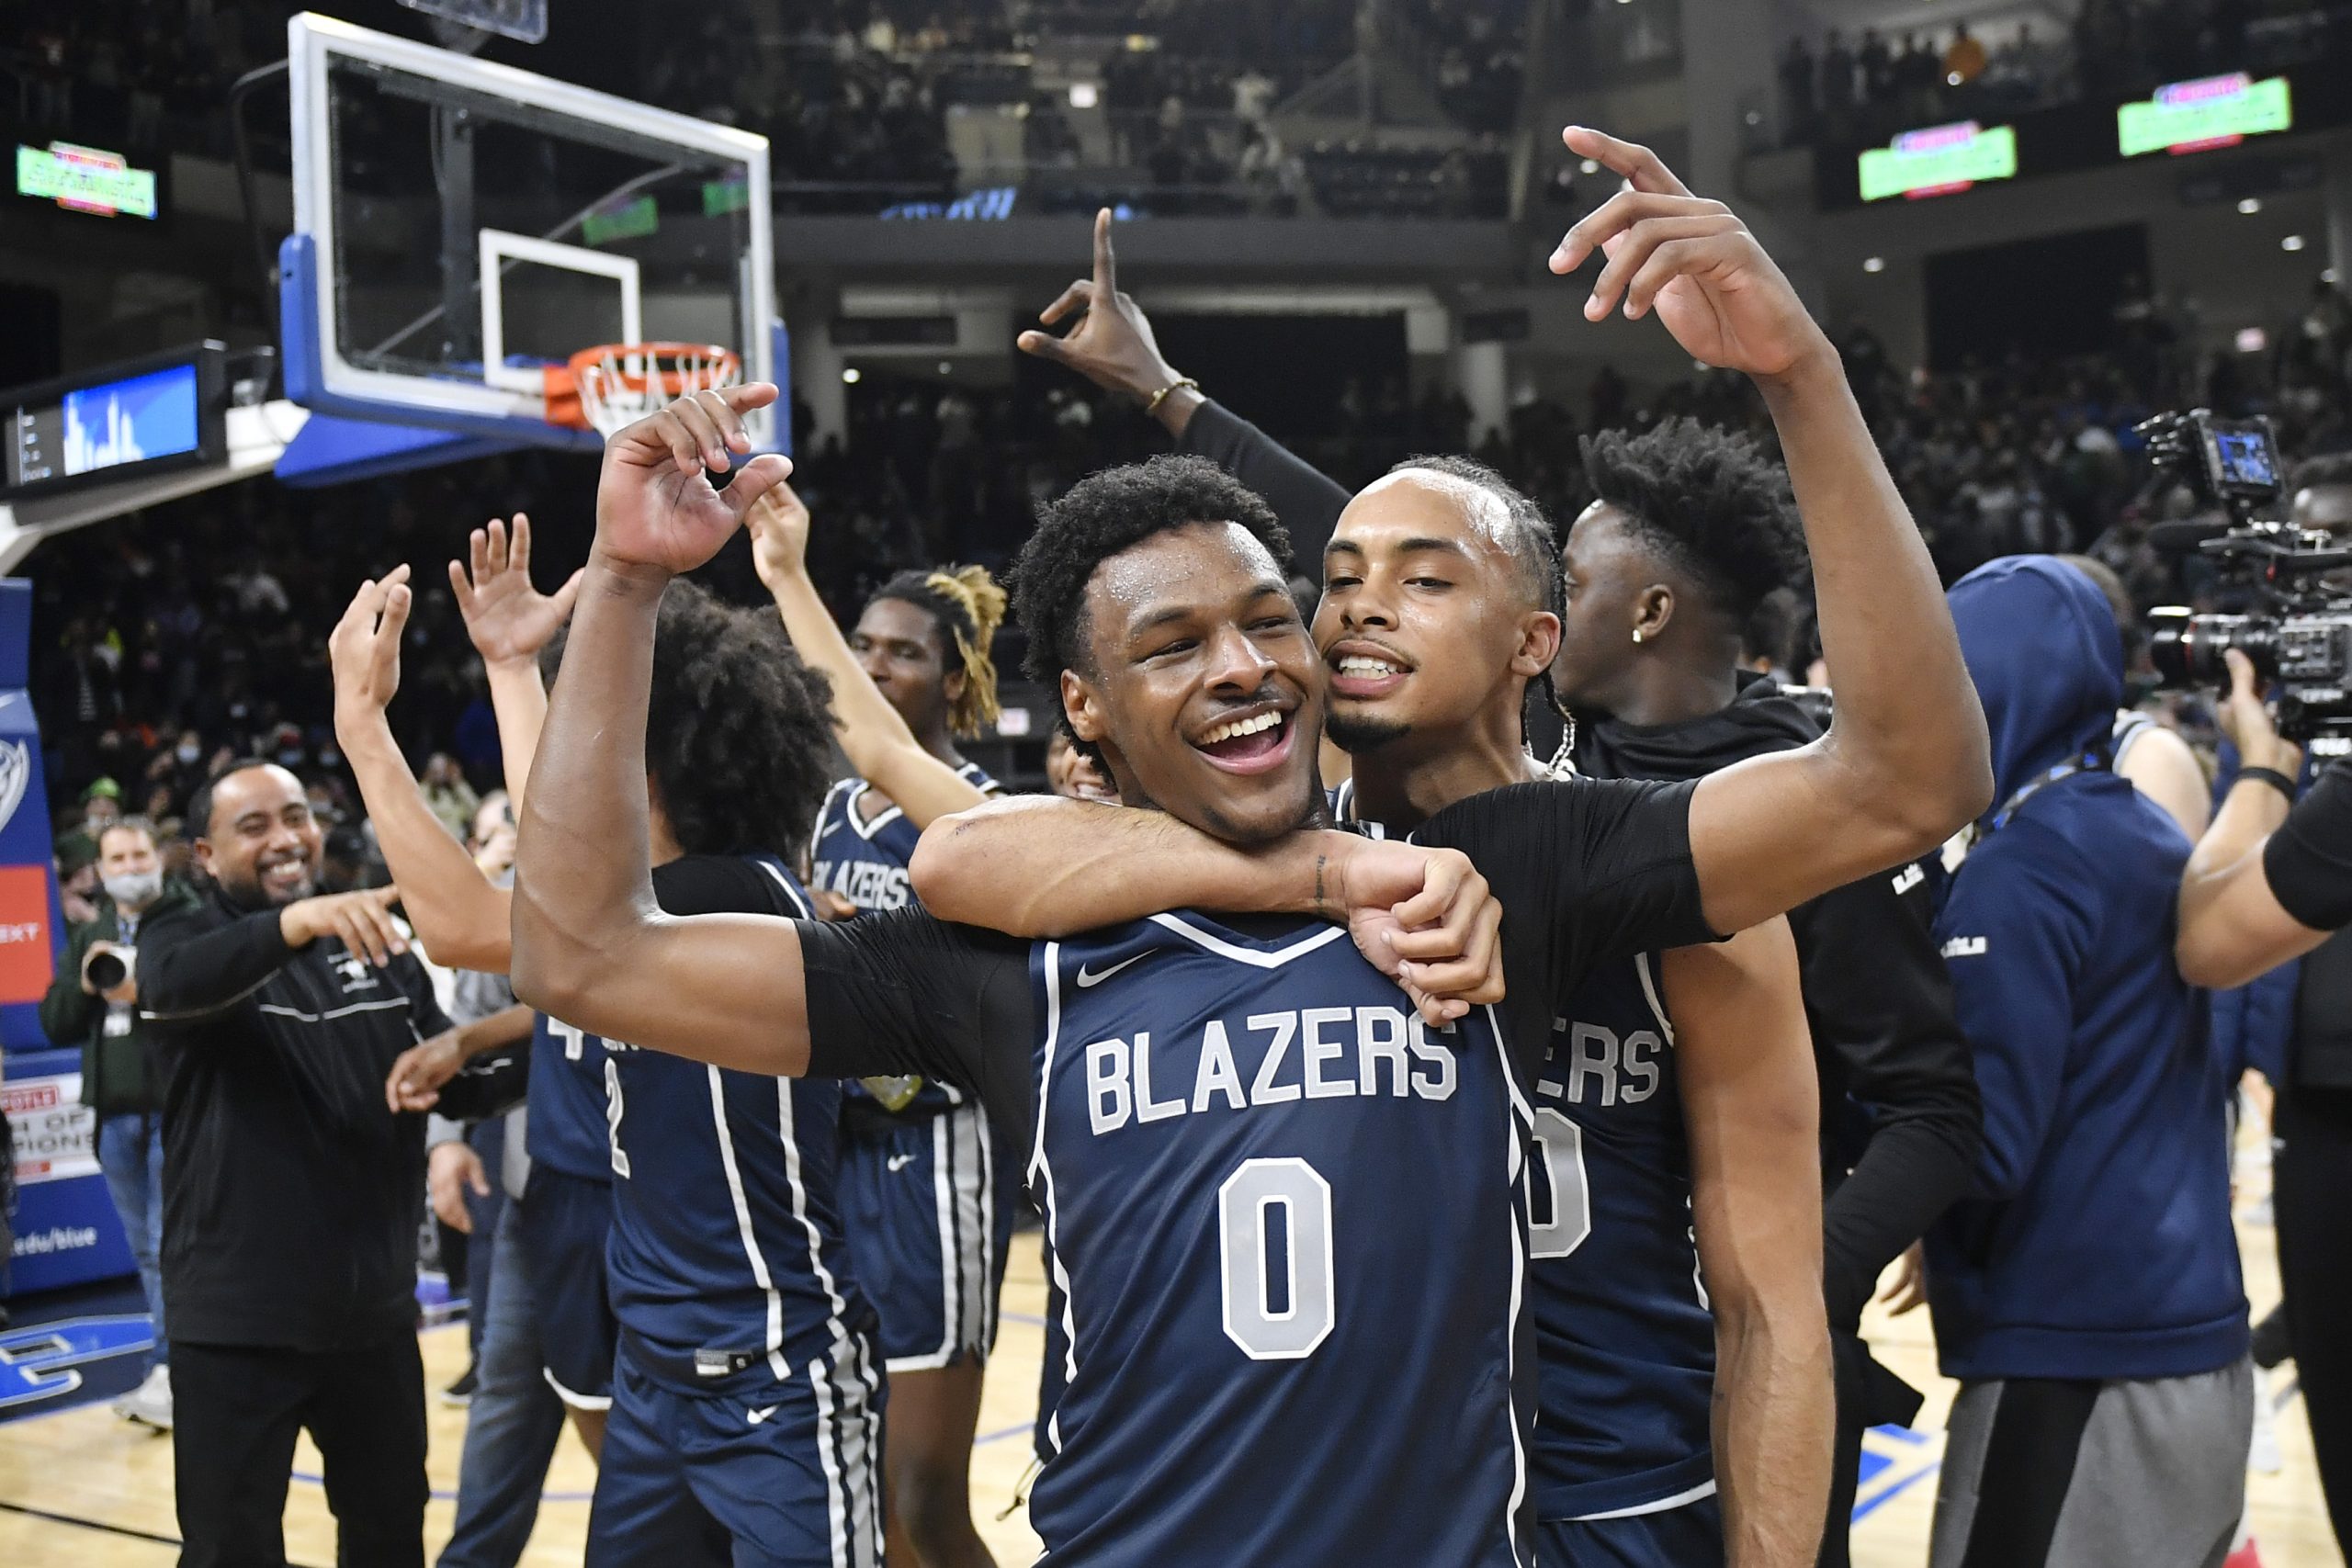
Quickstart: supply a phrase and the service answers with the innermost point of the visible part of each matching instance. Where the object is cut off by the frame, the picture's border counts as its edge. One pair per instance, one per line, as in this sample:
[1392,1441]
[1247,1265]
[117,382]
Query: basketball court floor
[80,1487]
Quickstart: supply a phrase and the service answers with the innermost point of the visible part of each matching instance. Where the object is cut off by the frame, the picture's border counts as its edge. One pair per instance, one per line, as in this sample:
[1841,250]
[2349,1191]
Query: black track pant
[2312,1177]
[236,1410]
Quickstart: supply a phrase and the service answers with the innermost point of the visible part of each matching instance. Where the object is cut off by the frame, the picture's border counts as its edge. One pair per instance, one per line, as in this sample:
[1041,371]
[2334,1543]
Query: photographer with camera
[2269,882]
[95,1000]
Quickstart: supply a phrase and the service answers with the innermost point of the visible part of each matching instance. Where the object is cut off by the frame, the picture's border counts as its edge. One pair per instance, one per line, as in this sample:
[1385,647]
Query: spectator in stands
[1796,91]
[453,800]
[118,1078]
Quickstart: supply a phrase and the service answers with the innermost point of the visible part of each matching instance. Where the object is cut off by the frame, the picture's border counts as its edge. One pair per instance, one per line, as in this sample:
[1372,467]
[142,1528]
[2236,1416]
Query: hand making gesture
[657,511]
[1692,260]
[1112,345]
[364,651]
[779,526]
[508,619]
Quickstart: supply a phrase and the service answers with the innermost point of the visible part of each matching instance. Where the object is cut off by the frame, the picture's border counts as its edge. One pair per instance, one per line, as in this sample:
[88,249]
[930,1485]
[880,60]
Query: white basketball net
[629,382]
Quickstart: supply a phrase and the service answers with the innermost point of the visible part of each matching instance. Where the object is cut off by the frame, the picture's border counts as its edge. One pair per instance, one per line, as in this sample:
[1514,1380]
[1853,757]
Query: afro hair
[1708,501]
[739,735]
[1105,514]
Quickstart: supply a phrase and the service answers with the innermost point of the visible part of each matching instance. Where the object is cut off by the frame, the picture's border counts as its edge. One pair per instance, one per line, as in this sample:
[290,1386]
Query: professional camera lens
[2186,649]
[108,970]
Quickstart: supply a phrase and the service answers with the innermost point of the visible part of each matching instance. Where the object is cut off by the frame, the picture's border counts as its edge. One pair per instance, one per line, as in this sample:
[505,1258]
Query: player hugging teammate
[1294,1287]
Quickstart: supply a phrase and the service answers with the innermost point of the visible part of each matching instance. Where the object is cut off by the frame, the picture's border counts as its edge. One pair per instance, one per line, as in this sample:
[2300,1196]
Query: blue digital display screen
[90,429]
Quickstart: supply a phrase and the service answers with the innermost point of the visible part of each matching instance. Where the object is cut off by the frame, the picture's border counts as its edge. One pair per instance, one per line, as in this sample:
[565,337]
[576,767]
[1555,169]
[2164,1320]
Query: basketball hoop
[617,384]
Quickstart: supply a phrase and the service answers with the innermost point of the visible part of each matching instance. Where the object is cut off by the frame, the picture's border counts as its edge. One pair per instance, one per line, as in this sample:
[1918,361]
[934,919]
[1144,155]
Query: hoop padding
[615,384]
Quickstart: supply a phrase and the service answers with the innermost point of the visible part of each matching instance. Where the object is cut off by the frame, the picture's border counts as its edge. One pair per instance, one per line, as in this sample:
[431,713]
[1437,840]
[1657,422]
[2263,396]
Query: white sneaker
[149,1403]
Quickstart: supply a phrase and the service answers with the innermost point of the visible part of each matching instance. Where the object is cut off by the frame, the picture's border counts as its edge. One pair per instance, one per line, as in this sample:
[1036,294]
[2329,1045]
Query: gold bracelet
[1160,396]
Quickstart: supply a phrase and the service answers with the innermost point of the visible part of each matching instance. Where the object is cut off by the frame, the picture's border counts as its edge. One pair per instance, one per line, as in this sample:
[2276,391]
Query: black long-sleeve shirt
[291,1196]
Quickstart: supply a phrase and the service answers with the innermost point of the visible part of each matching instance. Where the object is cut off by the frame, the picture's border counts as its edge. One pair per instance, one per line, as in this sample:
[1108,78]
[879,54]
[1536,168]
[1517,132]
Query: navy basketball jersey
[727,1261]
[565,1130]
[866,862]
[1626,1342]
[1288,1220]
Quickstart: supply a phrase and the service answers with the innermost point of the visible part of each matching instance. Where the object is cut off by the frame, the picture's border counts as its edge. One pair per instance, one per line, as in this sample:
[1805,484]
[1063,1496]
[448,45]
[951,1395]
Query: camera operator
[2269,882]
[293,1196]
[93,999]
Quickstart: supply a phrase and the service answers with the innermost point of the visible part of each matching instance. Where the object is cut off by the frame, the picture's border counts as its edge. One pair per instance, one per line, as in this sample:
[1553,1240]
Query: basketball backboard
[460,225]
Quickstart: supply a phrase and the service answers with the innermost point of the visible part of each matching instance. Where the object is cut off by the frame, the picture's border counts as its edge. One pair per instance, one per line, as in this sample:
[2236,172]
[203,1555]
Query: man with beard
[291,1196]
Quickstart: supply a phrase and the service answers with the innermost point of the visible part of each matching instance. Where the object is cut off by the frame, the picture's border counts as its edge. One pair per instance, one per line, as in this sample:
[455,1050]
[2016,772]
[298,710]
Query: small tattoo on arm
[1319,907]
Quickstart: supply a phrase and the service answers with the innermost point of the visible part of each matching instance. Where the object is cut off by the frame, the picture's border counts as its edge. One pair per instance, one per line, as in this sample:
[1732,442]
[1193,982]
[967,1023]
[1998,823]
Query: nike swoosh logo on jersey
[759,1416]
[901,1162]
[1094,978]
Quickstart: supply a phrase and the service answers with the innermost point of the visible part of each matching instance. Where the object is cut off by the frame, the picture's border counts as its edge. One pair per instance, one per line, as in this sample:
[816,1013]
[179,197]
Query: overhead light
[2328,275]
[2291,242]
[1755,117]
[2250,205]
[1590,166]
[1874,264]
[2251,340]
[1082,95]
[944,367]
[850,377]
[1951,79]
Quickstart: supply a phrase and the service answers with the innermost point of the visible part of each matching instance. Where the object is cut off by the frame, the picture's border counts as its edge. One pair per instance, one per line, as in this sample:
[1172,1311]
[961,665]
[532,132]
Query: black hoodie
[1900,1117]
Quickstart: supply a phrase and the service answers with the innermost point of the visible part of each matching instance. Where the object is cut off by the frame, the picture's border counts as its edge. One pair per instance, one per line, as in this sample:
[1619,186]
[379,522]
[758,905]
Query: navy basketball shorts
[927,1202]
[565,1221]
[1681,1537]
[783,1474]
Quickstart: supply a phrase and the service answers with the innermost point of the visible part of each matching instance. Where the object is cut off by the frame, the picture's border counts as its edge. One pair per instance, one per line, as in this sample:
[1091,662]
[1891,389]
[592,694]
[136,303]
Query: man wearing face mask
[94,1000]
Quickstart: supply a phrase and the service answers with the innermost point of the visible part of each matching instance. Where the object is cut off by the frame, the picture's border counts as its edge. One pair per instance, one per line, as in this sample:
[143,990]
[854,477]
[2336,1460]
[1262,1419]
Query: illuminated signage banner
[86,179]
[1938,160]
[2213,111]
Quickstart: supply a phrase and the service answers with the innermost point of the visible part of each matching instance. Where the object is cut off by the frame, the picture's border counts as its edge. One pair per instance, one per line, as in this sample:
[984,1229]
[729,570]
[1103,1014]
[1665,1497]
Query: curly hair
[739,735]
[1104,515]
[1532,543]
[1708,501]
[967,605]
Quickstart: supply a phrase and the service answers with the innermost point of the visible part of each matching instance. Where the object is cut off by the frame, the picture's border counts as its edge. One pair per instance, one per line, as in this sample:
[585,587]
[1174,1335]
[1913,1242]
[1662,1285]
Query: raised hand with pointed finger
[508,619]
[1112,345]
[657,511]
[1692,261]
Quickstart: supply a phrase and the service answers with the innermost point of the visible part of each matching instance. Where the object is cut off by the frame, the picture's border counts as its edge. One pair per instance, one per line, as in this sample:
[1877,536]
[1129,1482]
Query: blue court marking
[1864,1510]
[999,1436]
[1028,1317]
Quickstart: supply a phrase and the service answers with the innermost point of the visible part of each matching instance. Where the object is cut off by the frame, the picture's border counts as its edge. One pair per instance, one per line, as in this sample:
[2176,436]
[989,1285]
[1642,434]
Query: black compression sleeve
[2308,862]
[1307,501]
[905,993]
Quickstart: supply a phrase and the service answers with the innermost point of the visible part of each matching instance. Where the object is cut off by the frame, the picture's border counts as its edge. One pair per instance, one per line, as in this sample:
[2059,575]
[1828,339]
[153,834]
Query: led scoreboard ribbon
[86,179]
[2213,111]
[1938,160]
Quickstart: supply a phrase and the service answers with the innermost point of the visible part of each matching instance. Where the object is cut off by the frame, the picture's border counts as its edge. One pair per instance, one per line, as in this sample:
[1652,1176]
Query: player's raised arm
[1905,762]
[875,736]
[591,945]
[460,916]
[1750,1100]
[509,621]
